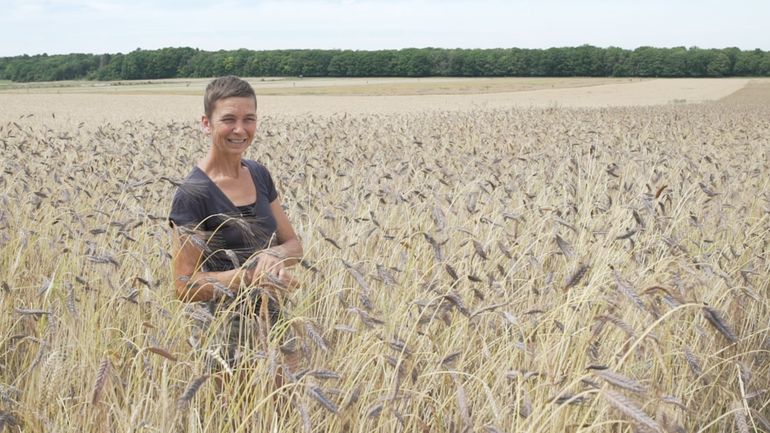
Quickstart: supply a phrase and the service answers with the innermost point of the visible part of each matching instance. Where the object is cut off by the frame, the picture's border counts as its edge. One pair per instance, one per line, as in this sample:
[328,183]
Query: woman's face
[232,124]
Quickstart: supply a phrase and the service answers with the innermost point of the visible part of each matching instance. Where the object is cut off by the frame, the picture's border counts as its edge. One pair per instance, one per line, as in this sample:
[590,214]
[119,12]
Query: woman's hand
[269,262]
[270,272]
[284,283]
[270,269]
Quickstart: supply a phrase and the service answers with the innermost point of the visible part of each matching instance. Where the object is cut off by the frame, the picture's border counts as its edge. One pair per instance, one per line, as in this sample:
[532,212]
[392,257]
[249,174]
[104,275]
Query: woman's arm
[192,286]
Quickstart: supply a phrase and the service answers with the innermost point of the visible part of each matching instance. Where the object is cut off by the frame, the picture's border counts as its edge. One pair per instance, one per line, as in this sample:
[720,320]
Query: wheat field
[490,270]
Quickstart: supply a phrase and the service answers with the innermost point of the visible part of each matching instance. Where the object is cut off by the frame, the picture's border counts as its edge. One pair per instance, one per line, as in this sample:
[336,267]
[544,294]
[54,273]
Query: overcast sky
[112,26]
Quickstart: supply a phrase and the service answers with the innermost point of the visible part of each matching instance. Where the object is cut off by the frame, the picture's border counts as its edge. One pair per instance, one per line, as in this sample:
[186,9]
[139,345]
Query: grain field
[485,269]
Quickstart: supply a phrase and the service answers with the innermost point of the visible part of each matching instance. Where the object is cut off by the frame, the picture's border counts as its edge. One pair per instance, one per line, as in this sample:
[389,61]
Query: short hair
[226,87]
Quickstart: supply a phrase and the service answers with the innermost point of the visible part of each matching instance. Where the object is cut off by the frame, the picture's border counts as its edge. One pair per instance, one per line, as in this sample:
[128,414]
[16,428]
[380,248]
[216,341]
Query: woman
[232,238]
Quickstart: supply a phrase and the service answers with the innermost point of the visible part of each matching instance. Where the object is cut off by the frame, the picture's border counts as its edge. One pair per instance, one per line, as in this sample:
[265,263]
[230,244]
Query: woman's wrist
[245,275]
[277,252]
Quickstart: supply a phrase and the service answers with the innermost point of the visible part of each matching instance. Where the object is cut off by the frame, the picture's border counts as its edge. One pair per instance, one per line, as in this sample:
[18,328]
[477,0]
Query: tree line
[585,60]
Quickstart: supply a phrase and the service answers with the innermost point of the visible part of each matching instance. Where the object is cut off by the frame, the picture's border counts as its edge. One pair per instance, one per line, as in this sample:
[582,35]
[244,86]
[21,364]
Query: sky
[113,26]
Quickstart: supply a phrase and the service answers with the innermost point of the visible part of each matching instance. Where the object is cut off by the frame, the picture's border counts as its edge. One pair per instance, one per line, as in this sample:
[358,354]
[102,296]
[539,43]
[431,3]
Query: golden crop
[528,270]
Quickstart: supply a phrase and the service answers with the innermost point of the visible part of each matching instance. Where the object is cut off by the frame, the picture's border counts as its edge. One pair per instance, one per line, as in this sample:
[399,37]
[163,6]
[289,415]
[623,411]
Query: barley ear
[716,320]
[739,413]
[102,374]
[191,390]
[630,409]
[619,380]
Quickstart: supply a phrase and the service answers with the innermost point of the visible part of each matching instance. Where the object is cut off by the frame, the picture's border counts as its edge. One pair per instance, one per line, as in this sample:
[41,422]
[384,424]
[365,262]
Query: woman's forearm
[207,286]
[290,252]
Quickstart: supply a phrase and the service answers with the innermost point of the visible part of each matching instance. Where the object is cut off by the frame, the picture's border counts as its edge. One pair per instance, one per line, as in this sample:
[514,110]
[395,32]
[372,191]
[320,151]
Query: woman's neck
[221,165]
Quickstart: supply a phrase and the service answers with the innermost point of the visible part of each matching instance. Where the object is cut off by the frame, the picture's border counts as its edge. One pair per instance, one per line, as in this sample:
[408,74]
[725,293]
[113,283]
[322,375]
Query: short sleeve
[272,193]
[185,210]
[266,183]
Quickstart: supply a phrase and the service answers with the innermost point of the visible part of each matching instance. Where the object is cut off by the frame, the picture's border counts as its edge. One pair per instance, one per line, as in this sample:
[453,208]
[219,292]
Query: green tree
[718,65]
[746,63]
[585,60]
[675,62]
[341,64]
[697,62]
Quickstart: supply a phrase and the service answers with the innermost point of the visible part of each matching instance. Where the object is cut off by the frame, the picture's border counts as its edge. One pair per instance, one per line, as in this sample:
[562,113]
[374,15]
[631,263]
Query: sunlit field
[320,86]
[180,100]
[486,269]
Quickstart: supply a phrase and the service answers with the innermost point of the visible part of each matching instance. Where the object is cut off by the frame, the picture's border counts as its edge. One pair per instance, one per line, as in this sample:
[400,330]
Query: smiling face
[232,124]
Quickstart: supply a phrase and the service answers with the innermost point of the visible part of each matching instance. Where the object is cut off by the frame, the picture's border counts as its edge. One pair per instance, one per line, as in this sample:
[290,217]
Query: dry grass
[468,268]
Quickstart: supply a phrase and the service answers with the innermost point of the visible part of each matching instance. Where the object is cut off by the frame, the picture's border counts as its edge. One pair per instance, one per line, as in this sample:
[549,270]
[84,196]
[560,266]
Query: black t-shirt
[220,227]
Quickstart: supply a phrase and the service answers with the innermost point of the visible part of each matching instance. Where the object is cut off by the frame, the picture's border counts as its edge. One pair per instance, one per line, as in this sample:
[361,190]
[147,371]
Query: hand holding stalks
[267,270]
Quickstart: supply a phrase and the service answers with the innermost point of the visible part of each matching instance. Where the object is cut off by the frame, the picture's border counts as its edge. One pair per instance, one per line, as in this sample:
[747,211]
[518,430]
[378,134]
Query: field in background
[491,268]
[164,101]
[318,86]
